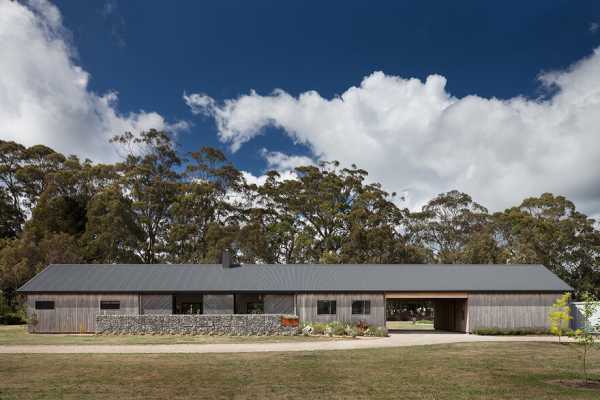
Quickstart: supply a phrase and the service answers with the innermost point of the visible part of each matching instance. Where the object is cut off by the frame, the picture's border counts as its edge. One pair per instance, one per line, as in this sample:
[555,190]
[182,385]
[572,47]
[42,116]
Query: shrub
[337,328]
[12,319]
[511,332]
[307,330]
[319,328]
[378,331]
[361,327]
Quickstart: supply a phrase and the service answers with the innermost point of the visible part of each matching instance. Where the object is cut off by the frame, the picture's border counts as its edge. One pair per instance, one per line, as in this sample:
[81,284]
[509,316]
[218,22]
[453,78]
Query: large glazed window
[44,305]
[362,307]
[110,305]
[326,307]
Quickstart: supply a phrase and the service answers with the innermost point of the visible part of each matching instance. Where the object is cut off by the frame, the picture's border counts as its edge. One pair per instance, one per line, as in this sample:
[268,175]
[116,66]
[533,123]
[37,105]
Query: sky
[501,101]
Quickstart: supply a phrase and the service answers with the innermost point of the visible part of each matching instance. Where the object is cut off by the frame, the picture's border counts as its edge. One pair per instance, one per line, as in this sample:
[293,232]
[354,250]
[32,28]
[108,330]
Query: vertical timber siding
[75,313]
[156,304]
[306,308]
[510,310]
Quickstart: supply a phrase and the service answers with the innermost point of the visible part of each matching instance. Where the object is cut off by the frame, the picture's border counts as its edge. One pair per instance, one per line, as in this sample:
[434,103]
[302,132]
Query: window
[110,305]
[44,305]
[255,307]
[191,308]
[326,307]
[362,307]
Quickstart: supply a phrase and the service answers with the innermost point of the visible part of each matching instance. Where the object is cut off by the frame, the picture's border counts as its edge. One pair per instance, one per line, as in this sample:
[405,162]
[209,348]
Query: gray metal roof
[292,278]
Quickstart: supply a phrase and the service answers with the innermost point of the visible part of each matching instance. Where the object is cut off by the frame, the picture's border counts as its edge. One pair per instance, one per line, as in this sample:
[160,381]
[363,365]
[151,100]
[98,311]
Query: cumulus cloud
[284,164]
[44,94]
[420,140]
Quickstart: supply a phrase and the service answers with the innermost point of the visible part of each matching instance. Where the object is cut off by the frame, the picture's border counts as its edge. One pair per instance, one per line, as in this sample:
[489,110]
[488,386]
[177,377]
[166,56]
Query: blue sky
[152,52]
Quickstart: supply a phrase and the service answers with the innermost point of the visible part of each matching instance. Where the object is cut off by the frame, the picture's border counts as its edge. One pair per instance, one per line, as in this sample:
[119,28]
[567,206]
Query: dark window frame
[110,304]
[361,307]
[45,305]
[326,307]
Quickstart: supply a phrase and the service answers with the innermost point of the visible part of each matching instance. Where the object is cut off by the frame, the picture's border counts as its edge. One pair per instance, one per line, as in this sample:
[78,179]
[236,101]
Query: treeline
[159,205]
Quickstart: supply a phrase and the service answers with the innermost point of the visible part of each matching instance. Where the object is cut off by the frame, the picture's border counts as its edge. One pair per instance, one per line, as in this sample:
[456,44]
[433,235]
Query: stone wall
[200,324]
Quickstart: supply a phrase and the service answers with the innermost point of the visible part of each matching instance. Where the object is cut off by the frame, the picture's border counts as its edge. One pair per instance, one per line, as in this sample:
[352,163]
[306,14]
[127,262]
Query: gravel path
[394,340]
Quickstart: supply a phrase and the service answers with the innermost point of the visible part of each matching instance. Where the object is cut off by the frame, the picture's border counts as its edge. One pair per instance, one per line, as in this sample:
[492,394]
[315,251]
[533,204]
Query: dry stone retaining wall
[197,324]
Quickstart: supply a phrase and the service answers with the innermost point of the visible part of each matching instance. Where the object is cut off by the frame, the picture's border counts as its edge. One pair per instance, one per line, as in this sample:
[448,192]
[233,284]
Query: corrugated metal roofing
[292,278]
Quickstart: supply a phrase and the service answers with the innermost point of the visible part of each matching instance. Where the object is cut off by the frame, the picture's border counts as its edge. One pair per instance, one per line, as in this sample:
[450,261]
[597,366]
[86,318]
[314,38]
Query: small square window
[110,305]
[326,307]
[362,307]
[44,305]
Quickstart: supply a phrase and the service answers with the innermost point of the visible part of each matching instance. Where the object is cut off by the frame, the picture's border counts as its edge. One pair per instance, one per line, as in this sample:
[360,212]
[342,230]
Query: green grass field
[409,326]
[459,371]
[17,334]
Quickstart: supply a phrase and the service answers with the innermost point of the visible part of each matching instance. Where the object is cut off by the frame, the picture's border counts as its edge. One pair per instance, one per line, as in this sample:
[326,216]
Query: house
[76,298]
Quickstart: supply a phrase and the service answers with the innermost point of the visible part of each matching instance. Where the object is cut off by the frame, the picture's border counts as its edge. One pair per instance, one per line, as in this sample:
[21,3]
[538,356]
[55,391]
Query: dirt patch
[577,383]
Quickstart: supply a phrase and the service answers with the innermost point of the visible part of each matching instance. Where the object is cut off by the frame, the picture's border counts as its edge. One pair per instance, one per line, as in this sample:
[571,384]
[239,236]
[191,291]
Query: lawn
[409,326]
[459,371]
[17,334]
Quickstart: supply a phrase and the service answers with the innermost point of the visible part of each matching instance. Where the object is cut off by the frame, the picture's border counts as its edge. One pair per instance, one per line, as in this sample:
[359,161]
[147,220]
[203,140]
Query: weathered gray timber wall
[75,313]
[306,308]
[194,324]
[510,310]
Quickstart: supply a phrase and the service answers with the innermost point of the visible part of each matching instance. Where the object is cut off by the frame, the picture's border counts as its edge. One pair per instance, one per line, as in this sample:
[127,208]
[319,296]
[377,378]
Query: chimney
[226,259]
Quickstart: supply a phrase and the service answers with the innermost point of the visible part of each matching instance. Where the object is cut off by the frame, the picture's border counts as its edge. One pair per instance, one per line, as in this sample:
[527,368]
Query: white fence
[579,320]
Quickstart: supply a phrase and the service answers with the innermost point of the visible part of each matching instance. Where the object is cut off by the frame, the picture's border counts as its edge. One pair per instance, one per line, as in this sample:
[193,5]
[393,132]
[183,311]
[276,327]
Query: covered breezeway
[427,311]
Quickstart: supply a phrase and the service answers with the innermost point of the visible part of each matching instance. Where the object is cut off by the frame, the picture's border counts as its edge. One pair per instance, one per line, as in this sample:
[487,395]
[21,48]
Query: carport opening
[419,314]
[411,315]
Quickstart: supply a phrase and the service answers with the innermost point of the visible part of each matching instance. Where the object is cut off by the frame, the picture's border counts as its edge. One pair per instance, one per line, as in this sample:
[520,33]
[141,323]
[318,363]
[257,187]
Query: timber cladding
[510,310]
[306,307]
[76,313]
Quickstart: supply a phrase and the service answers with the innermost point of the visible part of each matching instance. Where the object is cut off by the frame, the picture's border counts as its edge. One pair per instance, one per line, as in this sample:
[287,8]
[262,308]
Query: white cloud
[44,95]
[284,162]
[419,140]
[594,27]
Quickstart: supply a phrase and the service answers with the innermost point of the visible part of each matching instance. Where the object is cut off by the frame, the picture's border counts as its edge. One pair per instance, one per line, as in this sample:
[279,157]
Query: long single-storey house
[70,298]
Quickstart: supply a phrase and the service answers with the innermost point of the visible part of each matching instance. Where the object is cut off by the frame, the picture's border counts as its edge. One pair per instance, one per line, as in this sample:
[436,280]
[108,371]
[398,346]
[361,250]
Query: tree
[10,220]
[111,234]
[560,315]
[11,159]
[206,210]
[549,230]
[455,228]
[150,178]
[586,336]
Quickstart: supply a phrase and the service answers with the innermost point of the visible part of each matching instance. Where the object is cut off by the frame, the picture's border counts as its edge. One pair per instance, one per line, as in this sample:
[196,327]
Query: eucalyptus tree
[453,227]
[150,178]
[206,211]
[549,230]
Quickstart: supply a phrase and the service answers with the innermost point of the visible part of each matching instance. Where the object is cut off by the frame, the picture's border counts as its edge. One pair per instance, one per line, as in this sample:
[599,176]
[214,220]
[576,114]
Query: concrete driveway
[394,340]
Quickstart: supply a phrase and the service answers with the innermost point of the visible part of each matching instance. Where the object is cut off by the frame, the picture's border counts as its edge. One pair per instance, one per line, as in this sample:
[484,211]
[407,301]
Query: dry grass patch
[458,371]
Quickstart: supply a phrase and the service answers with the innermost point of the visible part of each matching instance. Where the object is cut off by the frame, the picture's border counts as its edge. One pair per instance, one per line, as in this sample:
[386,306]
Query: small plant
[361,327]
[560,316]
[376,331]
[318,328]
[585,336]
[337,328]
[307,330]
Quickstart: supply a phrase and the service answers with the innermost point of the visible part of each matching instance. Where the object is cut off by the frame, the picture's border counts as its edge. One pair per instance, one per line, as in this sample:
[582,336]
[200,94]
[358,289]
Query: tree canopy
[160,205]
